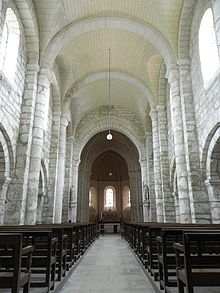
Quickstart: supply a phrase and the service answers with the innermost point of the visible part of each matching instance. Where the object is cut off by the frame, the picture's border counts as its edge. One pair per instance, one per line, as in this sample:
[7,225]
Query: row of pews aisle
[38,258]
[177,258]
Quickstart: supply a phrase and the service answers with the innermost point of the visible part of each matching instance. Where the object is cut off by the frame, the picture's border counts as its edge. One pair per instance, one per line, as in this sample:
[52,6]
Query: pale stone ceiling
[87,53]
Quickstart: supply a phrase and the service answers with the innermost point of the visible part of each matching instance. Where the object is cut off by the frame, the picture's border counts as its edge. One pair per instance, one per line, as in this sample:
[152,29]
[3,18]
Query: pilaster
[168,200]
[17,189]
[157,167]
[49,203]
[180,154]
[150,176]
[216,14]
[200,209]
[61,168]
[43,93]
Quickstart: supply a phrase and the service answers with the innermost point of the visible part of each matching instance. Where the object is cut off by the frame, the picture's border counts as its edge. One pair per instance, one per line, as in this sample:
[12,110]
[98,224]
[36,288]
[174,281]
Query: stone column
[150,176]
[67,193]
[75,168]
[145,184]
[157,167]
[83,196]
[200,209]
[216,13]
[179,147]
[40,204]
[61,170]
[136,195]
[168,200]
[37,144]
[3,198]
[213,188]
[49,202]
[17,189]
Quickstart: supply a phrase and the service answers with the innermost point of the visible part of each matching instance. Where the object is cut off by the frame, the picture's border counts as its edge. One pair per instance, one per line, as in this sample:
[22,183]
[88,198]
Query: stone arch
[29,20]
[130,155]
[174,189]
[74,29]
[97,121]
[125,76]
[209,145]
[211,170]
[6,169]
[42,191]
[185,29]
[162,92]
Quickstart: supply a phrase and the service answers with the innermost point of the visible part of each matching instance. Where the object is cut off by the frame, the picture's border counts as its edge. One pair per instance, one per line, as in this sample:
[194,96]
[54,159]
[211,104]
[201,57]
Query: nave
[109,266]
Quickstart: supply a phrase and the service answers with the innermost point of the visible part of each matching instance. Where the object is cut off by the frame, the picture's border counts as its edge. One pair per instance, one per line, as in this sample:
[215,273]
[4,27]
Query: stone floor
[108,267]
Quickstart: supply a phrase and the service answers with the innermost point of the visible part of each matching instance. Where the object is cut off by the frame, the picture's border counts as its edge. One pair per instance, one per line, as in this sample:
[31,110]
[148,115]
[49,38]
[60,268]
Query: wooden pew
[70,239]
[166,254]
[59,233]
[11,253]
[201,267]
[44,256]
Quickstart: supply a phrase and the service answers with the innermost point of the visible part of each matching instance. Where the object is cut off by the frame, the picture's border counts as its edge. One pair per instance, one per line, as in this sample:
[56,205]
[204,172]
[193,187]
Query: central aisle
[108,267]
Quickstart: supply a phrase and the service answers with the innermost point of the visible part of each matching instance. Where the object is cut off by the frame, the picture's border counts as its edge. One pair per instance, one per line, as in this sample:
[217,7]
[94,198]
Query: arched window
[9,45]
[126,197]
[129,198]
[109,198]
[90,197]
[93,197]
[208,50]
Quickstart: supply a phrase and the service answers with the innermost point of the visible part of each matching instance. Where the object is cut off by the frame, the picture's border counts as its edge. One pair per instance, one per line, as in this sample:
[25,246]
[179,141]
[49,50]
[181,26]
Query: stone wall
[206,100]
[11,92]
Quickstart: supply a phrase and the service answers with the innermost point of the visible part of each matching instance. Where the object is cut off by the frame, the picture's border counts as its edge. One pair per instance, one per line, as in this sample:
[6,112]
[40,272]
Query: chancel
[110,146]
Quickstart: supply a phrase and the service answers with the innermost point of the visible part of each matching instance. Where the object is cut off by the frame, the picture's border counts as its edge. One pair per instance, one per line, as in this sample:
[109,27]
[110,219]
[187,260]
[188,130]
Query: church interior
[110,144]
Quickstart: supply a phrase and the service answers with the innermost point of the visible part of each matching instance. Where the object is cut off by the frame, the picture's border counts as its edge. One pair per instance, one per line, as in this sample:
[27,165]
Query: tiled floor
[108,267]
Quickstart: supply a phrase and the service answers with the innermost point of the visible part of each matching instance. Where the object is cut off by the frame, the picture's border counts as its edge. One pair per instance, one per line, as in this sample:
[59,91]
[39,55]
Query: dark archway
[109,170]
[97,155]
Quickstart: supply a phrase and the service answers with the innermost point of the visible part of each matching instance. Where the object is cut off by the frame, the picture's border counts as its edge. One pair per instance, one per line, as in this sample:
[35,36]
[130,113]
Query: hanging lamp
[109,135]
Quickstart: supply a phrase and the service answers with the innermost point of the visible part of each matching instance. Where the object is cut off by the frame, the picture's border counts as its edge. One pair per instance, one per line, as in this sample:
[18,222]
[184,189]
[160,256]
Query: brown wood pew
[58,231]
[200,267]
[44,256]
[166,254]
[11,252]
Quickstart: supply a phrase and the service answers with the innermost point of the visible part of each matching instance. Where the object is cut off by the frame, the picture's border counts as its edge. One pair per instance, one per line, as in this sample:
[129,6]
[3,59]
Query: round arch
[121,122]
[74,29]
[92,150]
[125,76]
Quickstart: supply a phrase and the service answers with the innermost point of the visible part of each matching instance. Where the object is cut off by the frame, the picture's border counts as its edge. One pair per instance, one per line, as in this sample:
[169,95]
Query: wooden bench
[44,256]
[12,275]
[58,232]
[201,266]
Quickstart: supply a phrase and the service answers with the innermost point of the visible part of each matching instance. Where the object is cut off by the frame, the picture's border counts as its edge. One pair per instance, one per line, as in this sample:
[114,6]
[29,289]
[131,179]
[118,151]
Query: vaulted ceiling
[79,34]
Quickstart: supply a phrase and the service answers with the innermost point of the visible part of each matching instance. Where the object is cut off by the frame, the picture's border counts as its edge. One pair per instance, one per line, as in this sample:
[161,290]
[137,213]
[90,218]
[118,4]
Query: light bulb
[109,136]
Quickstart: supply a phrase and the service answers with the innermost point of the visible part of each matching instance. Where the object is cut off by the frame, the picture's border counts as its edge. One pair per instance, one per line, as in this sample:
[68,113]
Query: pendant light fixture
[109,135]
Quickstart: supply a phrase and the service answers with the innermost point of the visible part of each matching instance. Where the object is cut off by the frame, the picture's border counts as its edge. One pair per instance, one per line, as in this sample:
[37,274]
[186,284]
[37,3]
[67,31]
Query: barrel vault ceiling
[82,62]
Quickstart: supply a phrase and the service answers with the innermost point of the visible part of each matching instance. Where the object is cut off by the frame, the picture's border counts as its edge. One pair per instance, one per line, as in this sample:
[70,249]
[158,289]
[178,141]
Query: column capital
[45,75]
[148,134]
[64,120]
[161,108]
[172,73]
[33,67]
[153,113]
[184,64]
[143,162]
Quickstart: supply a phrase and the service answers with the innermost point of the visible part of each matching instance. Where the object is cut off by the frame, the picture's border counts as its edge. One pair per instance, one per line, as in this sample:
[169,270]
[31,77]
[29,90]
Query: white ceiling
[135,61]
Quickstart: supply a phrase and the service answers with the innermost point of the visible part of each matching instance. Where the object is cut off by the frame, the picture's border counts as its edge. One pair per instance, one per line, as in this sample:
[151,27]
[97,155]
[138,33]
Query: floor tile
[108,267]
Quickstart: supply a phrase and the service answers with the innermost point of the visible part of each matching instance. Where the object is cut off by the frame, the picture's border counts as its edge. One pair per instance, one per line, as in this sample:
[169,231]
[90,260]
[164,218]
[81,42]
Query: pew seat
[12,274]
[201,267]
